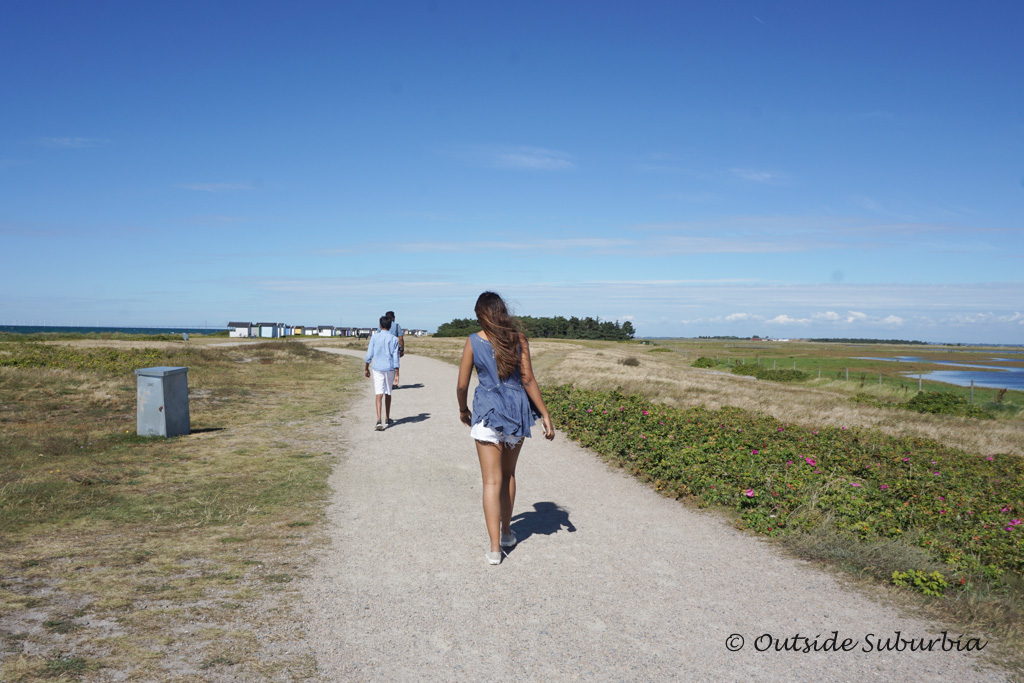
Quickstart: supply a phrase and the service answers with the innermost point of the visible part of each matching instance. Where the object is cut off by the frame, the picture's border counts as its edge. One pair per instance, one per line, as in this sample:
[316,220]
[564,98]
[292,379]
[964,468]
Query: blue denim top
[499,404]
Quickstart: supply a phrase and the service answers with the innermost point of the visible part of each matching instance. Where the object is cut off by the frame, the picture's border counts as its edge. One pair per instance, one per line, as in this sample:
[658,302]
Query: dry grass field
[124,557]
[663,373]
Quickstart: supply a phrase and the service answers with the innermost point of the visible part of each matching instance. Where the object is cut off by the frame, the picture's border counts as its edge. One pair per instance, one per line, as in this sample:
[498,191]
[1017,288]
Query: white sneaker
[508,540]
[494,558]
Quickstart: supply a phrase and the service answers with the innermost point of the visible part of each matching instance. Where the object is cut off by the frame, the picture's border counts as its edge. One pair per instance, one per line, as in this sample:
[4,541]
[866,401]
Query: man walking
[383,351]
[396,330]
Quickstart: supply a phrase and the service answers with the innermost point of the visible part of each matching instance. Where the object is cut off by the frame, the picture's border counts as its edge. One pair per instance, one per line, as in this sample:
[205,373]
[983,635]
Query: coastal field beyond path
[610,581]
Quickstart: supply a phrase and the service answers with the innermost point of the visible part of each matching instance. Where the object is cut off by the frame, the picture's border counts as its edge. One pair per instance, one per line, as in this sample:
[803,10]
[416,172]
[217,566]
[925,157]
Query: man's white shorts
[382,381]
[481,432]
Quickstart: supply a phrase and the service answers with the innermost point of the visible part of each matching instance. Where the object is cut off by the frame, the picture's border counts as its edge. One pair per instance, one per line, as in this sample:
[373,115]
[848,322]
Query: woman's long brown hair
[502,331]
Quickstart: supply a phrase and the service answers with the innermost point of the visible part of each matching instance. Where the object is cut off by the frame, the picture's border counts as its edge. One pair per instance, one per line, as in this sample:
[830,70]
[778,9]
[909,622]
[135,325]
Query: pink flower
[935,473]
[810,461]
[750,493]
[1015,522]
[906,459]
[789,462]
[753,452]
[942,512]
[1005,509]
[885,487]
[644,412]
[990,458]
[589,410]
[853,483]
[843,428]
[942,498]
[780,429]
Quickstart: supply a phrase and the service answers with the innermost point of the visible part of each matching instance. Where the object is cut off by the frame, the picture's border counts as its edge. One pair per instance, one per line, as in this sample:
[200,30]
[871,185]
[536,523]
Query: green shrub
[963,509]
[945,404]
[704,362]
[769,374]
[929,584]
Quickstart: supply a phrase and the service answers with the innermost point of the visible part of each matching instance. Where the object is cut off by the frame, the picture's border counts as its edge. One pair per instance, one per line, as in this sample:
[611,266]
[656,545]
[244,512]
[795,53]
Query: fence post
[773,364]
[972,392]
[847,374]
[819,372]
[879,379]
[794,365]
[919,382]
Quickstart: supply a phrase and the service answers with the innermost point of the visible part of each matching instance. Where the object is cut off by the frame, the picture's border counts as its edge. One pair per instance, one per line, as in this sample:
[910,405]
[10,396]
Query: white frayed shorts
[481,432]
[382,381]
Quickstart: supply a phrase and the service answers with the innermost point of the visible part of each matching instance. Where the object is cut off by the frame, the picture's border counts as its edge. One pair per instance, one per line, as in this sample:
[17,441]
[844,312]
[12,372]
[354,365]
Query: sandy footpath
[610,581]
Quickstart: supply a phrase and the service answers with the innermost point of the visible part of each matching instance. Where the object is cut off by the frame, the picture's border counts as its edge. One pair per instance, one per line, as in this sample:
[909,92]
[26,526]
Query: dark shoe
[390,422]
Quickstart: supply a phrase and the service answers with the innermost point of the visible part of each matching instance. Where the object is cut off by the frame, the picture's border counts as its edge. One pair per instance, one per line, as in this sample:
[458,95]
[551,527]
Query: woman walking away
[505,405]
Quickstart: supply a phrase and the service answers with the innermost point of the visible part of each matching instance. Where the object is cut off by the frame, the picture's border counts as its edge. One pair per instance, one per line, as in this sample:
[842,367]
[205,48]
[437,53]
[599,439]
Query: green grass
[840,366]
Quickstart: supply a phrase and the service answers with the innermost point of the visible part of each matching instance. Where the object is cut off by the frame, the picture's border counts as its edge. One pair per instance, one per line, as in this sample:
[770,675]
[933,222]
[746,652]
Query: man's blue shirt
[383,350]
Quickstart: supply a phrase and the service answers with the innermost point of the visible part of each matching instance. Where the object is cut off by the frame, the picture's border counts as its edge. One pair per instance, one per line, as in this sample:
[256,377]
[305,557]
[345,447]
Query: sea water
[999,378]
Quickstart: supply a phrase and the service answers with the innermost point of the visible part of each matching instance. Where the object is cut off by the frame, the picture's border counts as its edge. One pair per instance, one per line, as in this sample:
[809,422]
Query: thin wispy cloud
[522,158]
[218,187]
[760,176]
[73,143]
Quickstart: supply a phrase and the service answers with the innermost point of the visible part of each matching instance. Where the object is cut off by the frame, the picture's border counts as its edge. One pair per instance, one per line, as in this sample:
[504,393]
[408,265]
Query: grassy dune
[158,559]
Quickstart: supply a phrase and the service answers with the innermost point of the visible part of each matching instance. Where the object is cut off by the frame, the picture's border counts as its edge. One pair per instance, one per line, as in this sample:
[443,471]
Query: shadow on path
[546,518]
[409,386]
[411,418]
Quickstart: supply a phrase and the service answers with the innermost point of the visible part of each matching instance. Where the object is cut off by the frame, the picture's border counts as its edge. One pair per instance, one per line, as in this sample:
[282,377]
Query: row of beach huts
[272,330]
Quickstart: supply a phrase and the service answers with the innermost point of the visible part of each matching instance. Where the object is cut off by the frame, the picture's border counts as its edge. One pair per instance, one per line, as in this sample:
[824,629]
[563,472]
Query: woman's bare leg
[491,472]
[509,458]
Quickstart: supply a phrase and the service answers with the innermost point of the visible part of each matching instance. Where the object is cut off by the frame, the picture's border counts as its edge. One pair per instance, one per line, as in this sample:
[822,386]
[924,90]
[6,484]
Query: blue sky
[793,169]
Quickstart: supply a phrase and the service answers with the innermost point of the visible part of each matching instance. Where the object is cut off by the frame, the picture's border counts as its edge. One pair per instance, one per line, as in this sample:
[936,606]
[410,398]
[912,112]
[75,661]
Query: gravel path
[610,581]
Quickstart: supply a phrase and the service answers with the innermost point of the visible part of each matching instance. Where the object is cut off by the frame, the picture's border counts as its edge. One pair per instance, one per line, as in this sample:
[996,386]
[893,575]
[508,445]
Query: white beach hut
[240,330]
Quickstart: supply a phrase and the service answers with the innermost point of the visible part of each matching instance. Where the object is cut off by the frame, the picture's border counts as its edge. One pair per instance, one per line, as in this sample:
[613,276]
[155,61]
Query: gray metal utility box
[162,402]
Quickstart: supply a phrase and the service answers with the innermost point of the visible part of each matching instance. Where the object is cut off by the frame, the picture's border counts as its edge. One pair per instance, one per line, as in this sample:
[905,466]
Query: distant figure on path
[505,405]
[383,351]
[396,330]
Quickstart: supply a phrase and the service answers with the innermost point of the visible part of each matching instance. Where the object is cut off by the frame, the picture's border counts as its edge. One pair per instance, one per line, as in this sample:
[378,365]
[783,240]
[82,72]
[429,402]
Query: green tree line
[554,328]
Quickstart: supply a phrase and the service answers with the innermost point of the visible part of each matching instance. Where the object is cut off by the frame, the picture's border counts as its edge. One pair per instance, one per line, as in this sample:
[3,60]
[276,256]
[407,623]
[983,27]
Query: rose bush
[963,508]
